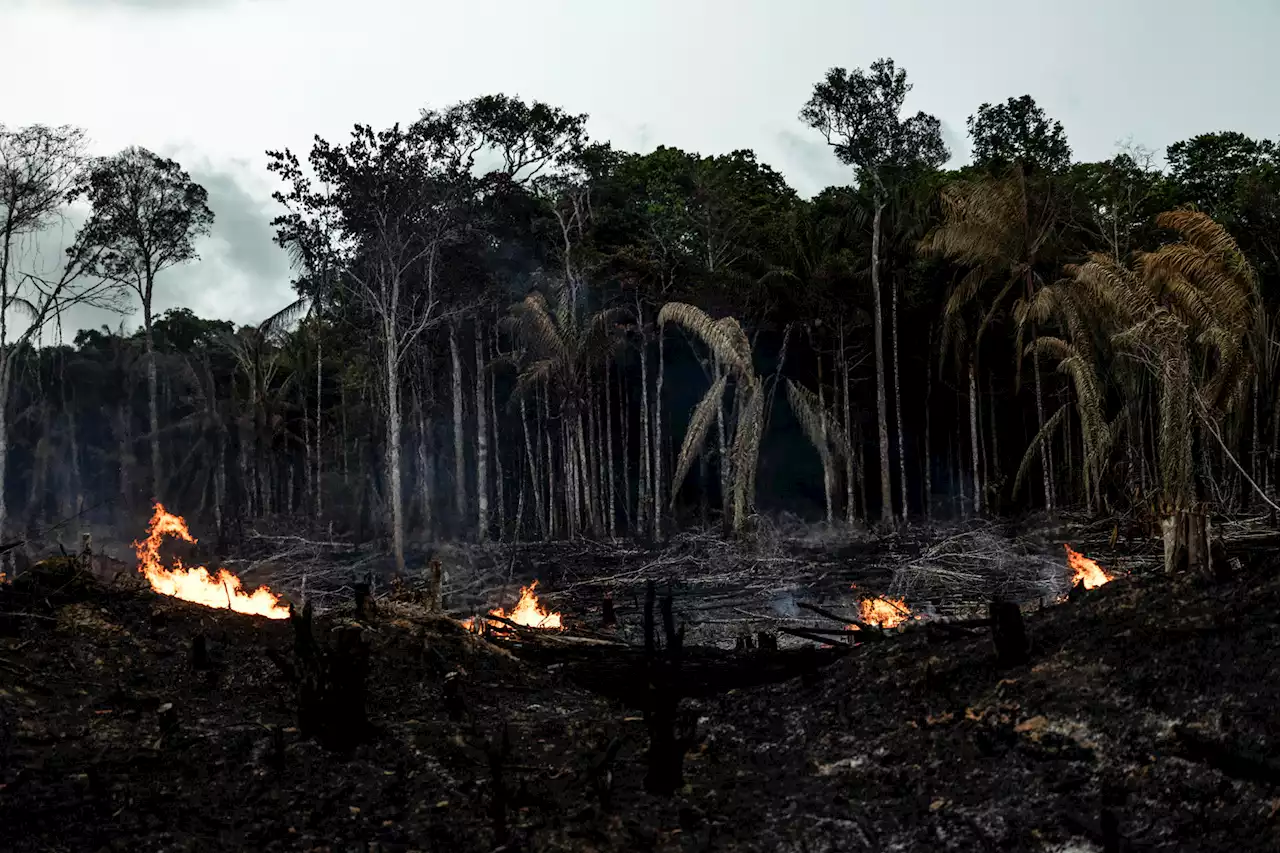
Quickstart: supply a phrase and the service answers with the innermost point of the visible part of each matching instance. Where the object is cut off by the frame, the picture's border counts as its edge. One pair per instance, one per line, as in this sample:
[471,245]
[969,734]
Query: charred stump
[362,589]
[665,772]
[435,586]
[199,652]
[1009,632]
[331,683]
[499,751]
[1186,536]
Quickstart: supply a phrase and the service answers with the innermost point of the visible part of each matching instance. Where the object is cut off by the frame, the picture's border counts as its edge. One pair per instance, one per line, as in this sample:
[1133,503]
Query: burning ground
[136,721]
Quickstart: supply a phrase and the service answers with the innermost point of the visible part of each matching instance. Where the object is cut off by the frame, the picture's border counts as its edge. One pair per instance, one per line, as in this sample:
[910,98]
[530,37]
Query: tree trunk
[882,415]
[847,414]
[973,432]
[395,494]
[459,435]
[153,404]
[319,477]
[926,458]
[624,424]
[531,455]
[828,487]
[425,467]
[645,480]
[612,508]
[659,504]
[897,405]
[482,441]
[499,474]
[1046,461]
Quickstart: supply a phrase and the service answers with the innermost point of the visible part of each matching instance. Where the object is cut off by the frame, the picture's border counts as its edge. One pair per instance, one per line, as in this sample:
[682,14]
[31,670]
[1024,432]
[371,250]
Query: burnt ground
[1149,705]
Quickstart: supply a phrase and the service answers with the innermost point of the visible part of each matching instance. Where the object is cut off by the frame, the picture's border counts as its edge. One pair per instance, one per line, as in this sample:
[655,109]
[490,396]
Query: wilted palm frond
[821,426]
[699,423]
[724,342]
[1033,449]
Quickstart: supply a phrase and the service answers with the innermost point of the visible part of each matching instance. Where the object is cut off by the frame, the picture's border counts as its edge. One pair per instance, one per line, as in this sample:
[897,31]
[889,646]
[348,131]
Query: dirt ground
[1148,706]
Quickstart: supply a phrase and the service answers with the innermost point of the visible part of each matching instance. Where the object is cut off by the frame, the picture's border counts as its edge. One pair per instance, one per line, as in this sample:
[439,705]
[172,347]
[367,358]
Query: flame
[196,583]
[1084,570]
[528,612]
[884,612]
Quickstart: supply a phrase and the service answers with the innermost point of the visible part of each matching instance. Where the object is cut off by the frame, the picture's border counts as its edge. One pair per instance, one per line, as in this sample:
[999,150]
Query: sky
[215,83]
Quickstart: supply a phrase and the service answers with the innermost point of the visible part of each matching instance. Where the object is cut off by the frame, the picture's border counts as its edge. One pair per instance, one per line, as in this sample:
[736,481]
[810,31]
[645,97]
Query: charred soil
[1146,719]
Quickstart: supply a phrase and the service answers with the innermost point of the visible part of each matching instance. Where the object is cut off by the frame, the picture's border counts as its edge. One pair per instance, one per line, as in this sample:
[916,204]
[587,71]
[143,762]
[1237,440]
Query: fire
[1084,570]
[884,612]
[528,612]
[196,583]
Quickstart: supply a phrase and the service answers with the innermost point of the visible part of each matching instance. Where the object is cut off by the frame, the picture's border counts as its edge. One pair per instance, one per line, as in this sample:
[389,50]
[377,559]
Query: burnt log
[1009,632]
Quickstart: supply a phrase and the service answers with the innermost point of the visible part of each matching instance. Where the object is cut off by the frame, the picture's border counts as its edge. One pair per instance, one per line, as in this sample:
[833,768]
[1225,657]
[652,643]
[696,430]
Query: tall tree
[1017,133]
[860,116]
[146,215]
[402,197]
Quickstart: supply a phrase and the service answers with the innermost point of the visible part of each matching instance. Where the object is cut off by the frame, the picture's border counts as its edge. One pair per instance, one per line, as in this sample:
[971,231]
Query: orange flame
[528,612]
[1084,570]
[884,612]
[196,583]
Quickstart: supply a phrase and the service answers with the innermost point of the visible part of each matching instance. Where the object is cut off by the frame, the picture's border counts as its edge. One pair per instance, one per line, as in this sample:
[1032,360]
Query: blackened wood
[199,652]
[1009,633]
[362,598]
[608,617]
[650,598]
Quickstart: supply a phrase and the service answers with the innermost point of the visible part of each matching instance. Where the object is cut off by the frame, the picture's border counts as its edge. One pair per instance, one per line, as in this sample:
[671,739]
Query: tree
[146,215]
[1017,133]
[859,115]
[40,170]
[401,197]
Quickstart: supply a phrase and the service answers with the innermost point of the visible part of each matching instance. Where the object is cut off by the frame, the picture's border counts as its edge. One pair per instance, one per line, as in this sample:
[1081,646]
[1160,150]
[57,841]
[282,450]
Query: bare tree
[40,170]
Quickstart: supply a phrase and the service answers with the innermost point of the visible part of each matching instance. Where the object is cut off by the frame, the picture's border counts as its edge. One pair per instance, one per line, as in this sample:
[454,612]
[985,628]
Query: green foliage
[1017,134]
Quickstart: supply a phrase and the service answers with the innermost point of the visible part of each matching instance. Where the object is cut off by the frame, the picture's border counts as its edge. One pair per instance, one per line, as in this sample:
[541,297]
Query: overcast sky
[213,83]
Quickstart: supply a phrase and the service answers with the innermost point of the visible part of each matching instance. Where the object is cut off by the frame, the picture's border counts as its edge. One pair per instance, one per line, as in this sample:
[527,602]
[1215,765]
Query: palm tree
[1000,228]
[1190,314]
[561,351]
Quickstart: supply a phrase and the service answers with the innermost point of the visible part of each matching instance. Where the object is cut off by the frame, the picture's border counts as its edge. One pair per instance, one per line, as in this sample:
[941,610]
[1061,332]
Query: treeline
[585,341]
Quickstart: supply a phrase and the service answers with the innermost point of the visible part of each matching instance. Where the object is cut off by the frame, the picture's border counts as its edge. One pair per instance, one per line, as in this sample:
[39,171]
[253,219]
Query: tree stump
[1009,633]
[331,683]
[608,617]
[435,587]
[1186,541]
[362,590]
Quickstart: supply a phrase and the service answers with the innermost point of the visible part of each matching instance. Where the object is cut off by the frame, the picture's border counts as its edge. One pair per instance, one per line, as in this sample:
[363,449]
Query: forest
[585,341]
[539,358]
